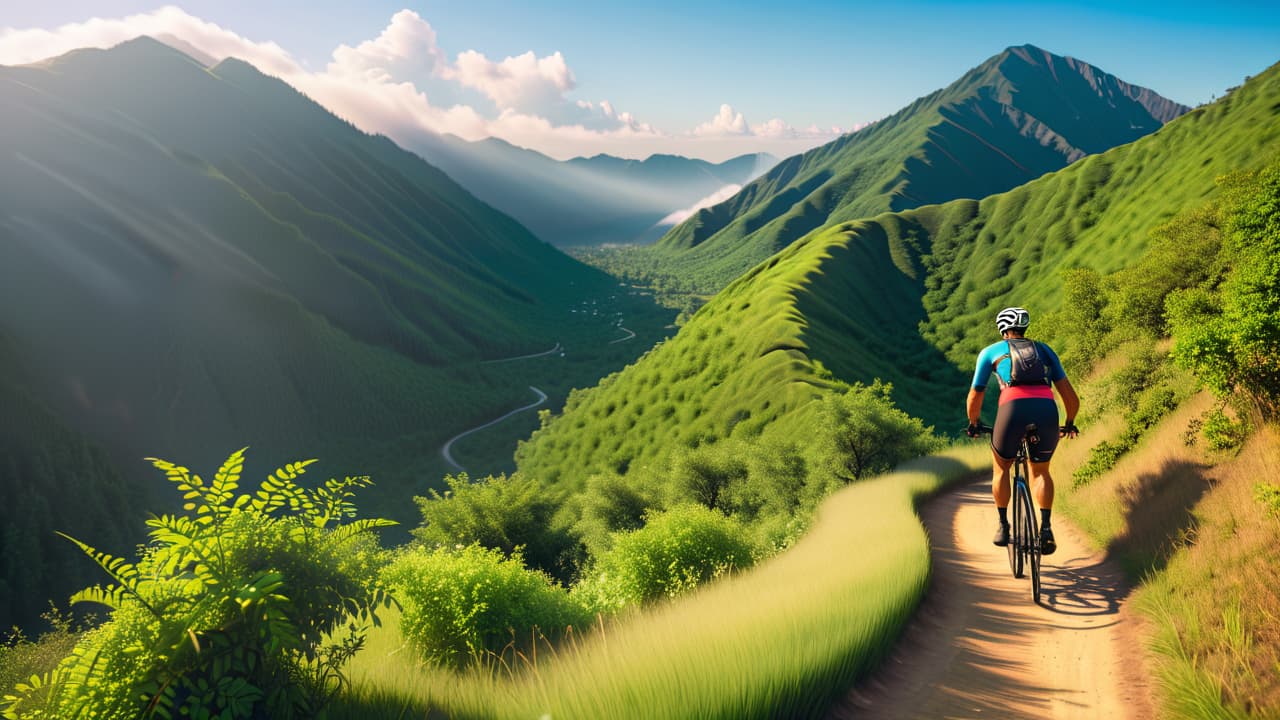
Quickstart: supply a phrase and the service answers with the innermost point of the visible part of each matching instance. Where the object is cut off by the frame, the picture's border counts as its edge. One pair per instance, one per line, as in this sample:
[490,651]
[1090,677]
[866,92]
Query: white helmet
[1014,318]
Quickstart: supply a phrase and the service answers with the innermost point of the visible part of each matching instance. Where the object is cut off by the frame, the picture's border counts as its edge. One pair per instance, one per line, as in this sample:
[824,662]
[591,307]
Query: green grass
[783,640]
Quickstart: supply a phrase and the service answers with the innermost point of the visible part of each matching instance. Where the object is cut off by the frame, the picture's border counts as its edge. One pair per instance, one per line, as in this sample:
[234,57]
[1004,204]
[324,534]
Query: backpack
[1027,366]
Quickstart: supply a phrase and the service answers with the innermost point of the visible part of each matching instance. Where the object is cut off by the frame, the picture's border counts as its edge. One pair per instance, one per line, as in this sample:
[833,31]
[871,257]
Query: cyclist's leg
[1042,485]
[1000,487]
[1004,447]
[1045,413]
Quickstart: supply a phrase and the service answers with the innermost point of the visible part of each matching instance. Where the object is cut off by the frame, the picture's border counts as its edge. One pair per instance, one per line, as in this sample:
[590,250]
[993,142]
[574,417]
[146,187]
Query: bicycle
[1024,540]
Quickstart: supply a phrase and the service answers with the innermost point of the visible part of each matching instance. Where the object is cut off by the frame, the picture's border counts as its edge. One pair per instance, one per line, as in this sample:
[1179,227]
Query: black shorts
[1012,420]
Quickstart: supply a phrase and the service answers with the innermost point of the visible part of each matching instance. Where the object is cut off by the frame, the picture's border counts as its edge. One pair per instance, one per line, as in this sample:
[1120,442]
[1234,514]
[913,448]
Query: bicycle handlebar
[987,429]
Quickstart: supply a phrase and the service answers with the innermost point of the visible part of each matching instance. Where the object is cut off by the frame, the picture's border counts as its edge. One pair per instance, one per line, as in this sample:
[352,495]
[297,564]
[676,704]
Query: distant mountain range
[200,258]
[1020,114]
[585,201]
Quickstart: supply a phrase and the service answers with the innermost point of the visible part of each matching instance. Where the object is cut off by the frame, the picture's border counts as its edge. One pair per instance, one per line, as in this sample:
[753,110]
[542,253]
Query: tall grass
[1184,523]
[783,640]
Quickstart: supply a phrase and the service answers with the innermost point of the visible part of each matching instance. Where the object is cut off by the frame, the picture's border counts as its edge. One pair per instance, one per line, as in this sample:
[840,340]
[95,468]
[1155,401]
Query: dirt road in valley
[446,451]
[979,648]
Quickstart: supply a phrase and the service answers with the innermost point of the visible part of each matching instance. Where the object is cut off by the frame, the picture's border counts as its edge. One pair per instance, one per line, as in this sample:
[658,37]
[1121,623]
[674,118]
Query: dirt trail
[980,648]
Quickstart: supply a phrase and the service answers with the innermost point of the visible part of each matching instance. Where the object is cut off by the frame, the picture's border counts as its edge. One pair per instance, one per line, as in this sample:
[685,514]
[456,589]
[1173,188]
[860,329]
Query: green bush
[1124,387]
[709,475]
[1079,327]
[1162,395]
[1231,337]
[21,657]
[1269,495]
[503,513]
[1222,432]
[1184,253]
[861,433]
[243,606]
[461,604]
[674,552]
[610,504]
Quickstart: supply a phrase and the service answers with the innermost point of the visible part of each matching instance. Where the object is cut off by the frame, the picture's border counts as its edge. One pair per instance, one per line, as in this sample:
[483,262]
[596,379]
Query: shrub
[611,504]
[1269,495]
[1223,433]
[244,606]
[503,513]
[675,551]
[1184,253]
[1148,408]
[861,433]
[1080,326]
[707,475]
[21,658]
[1231,338]
[460,604]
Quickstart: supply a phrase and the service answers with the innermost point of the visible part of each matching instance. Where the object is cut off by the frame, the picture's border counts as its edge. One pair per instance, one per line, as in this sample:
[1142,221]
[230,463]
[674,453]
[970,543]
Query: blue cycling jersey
[987,358]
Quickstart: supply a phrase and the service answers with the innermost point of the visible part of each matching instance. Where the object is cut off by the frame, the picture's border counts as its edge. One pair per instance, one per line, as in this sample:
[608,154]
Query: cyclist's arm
[1070,401]
[977,389]
[974,405]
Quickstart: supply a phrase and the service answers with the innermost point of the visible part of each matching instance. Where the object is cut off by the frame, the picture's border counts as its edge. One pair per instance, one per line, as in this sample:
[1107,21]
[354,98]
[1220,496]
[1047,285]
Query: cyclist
[1027,372]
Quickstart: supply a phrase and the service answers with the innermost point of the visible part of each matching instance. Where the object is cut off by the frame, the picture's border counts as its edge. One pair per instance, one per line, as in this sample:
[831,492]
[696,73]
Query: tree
[861,433]
[1230,337]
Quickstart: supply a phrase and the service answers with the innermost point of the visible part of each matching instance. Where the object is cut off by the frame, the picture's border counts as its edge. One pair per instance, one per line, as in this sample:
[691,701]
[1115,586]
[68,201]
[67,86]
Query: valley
[586,450]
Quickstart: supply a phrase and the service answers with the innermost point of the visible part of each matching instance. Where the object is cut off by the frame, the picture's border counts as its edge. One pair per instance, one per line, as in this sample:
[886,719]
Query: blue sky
[810,65]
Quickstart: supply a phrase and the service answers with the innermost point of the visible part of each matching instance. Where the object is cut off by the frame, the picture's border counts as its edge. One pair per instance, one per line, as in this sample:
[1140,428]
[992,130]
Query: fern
[229,610]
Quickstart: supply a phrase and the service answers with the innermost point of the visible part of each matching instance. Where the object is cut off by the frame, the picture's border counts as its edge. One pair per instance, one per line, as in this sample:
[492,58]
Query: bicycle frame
[1024,540]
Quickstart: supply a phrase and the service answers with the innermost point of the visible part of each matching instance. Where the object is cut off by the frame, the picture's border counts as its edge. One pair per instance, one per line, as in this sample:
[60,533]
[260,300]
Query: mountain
[585,201]
[907,297]
[1013,118]
[197,259]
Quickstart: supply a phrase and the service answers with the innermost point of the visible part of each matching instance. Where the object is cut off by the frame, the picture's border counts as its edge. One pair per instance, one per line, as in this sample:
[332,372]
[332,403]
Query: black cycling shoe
[1002,535]
[1047,543]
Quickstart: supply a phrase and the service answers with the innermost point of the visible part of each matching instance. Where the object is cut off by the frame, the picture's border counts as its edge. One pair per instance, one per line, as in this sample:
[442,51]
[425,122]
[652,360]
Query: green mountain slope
[196,259]
[907,297]
[1013,118]
[585,201]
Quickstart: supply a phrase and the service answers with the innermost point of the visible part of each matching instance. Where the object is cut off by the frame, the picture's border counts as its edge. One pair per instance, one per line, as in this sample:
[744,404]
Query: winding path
[979,648]
[446,450]
[522,357]
[628,337]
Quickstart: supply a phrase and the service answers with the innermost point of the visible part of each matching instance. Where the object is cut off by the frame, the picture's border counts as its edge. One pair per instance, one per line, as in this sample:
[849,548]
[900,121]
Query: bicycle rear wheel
[1032,546]
[1016,530]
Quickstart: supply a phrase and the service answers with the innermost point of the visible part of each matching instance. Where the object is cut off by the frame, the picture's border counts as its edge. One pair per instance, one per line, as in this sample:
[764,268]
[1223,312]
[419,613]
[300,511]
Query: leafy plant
[461,604]
[1231,337]
[861,433]
[1269,495]
[504,513]
[1223,432]
[245,605]
[674,552]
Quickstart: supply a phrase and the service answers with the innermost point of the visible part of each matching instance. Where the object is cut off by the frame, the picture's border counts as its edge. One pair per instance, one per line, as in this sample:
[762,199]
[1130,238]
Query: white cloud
[726,122]
[526,82]
[714,198]
[406,49]
[386,85]
[24,46]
